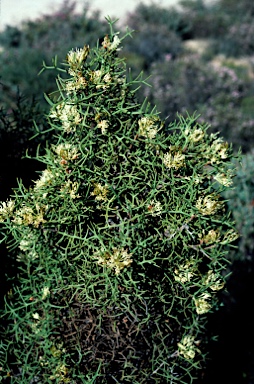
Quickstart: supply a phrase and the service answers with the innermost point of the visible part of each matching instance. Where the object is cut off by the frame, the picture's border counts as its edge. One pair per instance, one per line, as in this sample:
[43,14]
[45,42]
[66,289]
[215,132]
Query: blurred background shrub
[25,48]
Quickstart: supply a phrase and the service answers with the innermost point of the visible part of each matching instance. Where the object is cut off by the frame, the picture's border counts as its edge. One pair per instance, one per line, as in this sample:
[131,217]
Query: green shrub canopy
[121,240]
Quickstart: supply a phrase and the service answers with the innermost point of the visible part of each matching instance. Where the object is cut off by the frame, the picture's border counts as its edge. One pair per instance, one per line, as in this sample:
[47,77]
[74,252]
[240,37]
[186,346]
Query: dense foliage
[216,80]
[220,90]
[122,240]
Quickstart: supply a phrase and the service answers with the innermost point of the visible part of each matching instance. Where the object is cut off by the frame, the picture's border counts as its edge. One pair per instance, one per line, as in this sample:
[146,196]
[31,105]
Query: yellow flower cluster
[111,46]
[26,216]
[101,79]
[209,205]
[116,260]
[185,272]
[230,236]
[211,237]
[75,85]
[6,210]
[213,281]
[176,160]
[217,152]
[202,304]
[154,208]
[68,115]
[60,374]
[71,188]
[224,178]
[103,125]
[45,179]
[148,127]
[187,347]
[195,135]
[76,58]
[66,151]
[100,192]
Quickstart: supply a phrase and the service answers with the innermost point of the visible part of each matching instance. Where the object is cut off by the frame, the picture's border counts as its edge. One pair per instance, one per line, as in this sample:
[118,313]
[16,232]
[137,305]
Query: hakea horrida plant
[125,230]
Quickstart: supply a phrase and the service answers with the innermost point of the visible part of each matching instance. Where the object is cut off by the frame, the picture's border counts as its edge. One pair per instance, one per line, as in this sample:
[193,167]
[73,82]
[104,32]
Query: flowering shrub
[122,240]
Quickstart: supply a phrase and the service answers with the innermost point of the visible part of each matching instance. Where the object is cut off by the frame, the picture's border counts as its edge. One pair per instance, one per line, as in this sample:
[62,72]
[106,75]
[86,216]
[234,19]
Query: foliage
[122,240]
[170,19]
[37,41]
[158,33]
[17,127]
[239,39]
[152,44]
[228,22]
[205,19]
[215,91]
[241,202]
[157,46]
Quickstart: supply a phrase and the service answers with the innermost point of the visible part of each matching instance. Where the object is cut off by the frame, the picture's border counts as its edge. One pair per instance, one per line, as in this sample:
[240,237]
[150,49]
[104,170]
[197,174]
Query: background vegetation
[200,58]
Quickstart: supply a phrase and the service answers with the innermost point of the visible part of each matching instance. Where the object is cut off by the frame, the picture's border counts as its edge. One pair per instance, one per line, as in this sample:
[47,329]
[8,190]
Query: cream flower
[26,215]
[213,281]
[185,272]
[107,78]
[45,293]
[175,161]
[116,260]
[202,304]
[36,316]
[103,125]
[111,46]
[218,151]
[155,208]
[66,151]
[100,192]
[96,76]
[114,45]
[76,57]
[230,236]
[224,179]
[208,205]
[71,188]
[211,237]
[45,179]
[68,115]
[6,210]
[75,85]
[197,135]
[148,126]
[187,347]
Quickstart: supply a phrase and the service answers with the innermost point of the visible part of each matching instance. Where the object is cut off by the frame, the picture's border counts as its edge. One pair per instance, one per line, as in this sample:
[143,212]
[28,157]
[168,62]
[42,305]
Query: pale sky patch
[13,12]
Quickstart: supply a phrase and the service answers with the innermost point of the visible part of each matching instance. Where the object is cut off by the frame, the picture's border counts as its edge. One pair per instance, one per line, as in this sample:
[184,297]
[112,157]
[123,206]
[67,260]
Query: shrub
[153,43]
[238,41]
[169,18]
[36,42]
[241,202]
[206,19]
[17,127]
[122,240]
[216,92]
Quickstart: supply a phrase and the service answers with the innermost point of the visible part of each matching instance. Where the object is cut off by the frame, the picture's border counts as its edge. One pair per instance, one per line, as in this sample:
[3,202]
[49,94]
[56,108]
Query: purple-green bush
[214,91]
